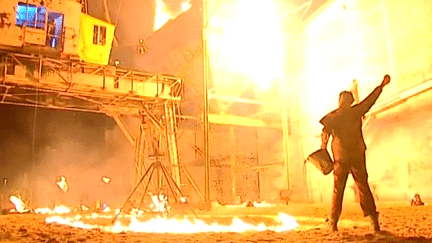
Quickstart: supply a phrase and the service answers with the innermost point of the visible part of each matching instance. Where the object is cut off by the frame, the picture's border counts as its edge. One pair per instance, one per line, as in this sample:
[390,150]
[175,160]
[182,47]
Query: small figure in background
[416,200]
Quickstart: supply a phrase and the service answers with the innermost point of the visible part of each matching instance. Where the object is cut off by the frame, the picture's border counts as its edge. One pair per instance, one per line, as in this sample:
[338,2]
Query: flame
[165,225]
[19,204]
[106,179]
[134,213]
[61,210]
[84,208]
[160,203]
[186,6]
[69,221]
[163,14]
[62,184]
[43,211]
[105,208]
[262,204]
[245,37]
[57,210]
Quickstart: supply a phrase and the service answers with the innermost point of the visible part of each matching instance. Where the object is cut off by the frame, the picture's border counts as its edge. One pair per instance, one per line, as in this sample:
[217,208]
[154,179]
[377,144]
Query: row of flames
[171,225]
[62,215]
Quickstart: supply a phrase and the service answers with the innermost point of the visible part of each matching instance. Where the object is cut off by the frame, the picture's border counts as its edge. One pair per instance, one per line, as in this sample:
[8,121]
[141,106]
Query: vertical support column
[170,130]
[206,106]
[258,163]
[233,162]
[285,130]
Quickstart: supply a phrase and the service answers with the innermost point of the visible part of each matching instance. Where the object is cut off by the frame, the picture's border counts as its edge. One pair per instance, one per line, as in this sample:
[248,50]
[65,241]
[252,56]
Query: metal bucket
[322,160]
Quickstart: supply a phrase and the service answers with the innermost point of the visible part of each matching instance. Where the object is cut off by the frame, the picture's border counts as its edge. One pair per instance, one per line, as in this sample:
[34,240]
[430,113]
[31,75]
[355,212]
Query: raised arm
[365,105]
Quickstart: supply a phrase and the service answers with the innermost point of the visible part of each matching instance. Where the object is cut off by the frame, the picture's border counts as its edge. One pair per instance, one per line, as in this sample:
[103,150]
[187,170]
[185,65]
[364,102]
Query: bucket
[322,160]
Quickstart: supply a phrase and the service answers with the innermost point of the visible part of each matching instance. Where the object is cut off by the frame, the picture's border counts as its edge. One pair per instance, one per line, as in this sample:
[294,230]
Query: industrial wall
[364,40]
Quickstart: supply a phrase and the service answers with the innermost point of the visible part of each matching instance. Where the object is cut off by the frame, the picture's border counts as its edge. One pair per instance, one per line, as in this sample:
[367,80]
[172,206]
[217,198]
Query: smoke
[398,141]
[79,164]
[82,147]
[133,19]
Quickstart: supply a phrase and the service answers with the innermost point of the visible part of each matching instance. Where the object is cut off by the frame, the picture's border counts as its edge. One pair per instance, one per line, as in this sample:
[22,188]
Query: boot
[375,222]
[332,224]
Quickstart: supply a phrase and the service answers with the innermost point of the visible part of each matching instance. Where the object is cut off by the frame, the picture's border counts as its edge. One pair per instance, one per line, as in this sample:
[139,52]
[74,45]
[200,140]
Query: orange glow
[165,225]
[245,37]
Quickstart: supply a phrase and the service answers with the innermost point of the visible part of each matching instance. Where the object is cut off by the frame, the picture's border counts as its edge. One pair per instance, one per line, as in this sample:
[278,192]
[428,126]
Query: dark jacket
[346,128]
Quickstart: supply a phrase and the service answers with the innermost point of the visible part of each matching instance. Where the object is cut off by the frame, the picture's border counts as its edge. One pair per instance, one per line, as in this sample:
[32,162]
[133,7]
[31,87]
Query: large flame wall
[244,45]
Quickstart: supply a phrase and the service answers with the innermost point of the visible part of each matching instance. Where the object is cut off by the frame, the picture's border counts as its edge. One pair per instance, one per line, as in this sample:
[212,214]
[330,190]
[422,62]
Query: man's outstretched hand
[386,80]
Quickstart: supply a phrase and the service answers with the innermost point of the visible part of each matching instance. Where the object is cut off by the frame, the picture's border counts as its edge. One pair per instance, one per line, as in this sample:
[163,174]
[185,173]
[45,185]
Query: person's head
[345,99]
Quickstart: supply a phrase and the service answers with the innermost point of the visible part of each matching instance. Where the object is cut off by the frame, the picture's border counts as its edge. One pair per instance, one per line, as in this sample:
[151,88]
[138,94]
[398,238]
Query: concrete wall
[364,40]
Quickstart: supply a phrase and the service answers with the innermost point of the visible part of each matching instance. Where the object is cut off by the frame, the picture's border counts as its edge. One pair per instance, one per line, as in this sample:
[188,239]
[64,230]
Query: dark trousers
[357,167]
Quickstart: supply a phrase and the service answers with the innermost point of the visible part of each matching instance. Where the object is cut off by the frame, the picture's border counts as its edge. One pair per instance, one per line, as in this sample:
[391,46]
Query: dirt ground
[399,223]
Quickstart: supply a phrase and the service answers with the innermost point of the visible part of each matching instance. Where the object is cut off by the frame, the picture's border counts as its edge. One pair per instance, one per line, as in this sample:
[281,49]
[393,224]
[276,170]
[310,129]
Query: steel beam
[124,129]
